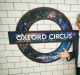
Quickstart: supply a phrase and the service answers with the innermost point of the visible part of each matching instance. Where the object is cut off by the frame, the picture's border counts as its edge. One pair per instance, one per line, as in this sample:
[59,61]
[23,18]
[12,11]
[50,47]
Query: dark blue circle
[35,15]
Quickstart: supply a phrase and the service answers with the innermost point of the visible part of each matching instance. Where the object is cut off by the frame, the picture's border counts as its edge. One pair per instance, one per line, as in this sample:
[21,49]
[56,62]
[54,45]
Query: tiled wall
[12,61]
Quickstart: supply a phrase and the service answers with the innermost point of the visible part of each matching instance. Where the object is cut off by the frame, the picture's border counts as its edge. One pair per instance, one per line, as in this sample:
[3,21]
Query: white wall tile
[34,5]
[28,0]
[7,65]
[64,7]
[34,73]
[57,1]
[8,20]
[17,20]
[70,2]
[2,41]
[59,72]
[70,14]
[51,45]
[78,1]
[4,28]
[21,6]
[39,22]
[14,13]
[48,64]
[12,47]
[21,65]
[46,73]
[51,5]
[17,53]
[55,27]
[69,71]
[61,67]
[66,66]
[6,6]
[33,28]
[43,1]
[24,74]
[12,0]
[27,70]
[2,47]
[32,64]
[4,72]
[1,35]
[13,59]
[44,50]
[0,67]
[6,53]
[5,41]
[24,11]
[39,69]
[2,0]
[3,13]
[0,21]
[3,60]
[75,7]
[58,62]
[38,45]
[43,27]
[73,20]
[51,68]
[12,27]
[14,71]
[25,59]
[71,66]
[48,22]
[5,35]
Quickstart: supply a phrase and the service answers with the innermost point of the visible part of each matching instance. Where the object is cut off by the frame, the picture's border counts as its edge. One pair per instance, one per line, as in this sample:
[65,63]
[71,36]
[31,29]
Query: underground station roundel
[23,37]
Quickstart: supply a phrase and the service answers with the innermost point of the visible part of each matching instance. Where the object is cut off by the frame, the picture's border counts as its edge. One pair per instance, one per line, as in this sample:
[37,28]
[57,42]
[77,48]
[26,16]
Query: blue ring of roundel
[35,15]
